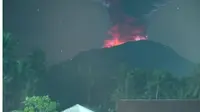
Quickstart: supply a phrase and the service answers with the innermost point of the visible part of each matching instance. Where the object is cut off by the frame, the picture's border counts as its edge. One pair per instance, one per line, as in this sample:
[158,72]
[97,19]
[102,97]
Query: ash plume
[132,8]
[129,19]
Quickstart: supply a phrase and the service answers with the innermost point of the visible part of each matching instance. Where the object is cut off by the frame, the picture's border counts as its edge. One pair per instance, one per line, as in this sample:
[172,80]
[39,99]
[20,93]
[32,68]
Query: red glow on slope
[124,32]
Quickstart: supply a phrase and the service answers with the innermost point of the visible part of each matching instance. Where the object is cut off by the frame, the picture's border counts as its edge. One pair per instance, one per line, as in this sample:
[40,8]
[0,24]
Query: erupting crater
[124,32]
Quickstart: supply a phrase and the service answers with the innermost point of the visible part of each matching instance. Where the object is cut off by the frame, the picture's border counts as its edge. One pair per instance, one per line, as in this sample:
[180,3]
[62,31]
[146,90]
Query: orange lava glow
[121,34]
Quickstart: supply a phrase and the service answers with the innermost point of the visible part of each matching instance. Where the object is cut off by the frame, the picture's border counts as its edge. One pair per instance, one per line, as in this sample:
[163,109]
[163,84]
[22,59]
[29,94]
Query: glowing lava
[124,32]
[129,20]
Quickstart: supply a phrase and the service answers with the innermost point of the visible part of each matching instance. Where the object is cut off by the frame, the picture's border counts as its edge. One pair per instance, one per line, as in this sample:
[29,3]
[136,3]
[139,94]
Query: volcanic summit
[142,54]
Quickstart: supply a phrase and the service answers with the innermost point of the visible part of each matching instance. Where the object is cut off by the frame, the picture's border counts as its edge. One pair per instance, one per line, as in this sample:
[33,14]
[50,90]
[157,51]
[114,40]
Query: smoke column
[128,19]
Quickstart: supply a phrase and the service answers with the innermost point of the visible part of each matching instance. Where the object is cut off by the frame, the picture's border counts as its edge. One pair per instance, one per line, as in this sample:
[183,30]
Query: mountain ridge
[99,70]
[140,54]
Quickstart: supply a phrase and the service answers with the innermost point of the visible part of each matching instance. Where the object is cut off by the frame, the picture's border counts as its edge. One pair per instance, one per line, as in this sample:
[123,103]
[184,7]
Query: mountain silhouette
[103,66]
[141,54]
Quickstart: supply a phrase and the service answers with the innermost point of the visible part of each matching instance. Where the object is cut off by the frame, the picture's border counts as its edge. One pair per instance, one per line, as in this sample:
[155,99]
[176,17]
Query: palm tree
[19,75]
[194,84]
[161,84]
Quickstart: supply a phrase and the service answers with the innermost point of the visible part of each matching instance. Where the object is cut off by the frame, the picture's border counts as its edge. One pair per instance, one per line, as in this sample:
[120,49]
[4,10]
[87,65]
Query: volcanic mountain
[104,65]
[143,54]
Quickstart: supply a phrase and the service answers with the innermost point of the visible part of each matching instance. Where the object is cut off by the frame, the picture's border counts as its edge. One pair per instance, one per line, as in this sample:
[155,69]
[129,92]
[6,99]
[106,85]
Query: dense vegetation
[38,104]
[21,76]
[28,76]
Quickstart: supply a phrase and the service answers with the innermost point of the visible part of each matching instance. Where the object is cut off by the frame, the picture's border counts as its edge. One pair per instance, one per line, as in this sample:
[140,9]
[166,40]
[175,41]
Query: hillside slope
[141,54]
[93,75]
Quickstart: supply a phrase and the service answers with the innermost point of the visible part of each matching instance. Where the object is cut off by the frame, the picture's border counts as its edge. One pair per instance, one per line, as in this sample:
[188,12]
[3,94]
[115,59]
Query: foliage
[23,76]
[157,84]
[8,57]
[38,104]
[20,75]
[193,85]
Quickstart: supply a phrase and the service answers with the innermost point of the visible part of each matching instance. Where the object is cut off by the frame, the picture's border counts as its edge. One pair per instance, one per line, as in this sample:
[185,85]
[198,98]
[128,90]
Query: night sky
[62,28]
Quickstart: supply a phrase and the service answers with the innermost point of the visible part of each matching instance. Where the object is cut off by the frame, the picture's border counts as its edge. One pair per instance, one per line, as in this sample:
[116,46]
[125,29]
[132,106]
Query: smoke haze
[178,25]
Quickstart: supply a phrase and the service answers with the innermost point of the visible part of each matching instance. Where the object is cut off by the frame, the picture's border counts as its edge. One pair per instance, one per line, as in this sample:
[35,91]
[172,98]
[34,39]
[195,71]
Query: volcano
[142,54]
[104,65]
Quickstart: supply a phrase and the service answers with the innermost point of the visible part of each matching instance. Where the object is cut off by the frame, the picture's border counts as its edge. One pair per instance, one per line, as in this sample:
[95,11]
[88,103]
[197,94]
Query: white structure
[77,108]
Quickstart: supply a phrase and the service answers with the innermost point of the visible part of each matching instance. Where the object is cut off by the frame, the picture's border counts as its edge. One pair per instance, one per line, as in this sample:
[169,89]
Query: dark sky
[62,28]
[178,25]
